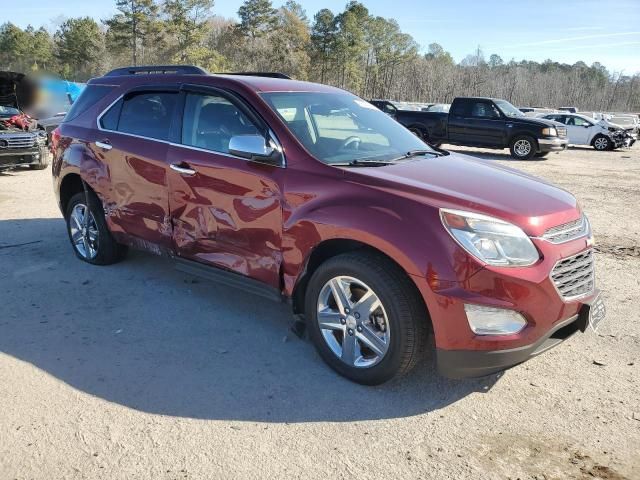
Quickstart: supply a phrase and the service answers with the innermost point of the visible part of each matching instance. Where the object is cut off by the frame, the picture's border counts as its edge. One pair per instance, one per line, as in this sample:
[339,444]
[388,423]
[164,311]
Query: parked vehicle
[22,141]
[485,122]
[438,107]
[568,109]
[601,135]
[308,193]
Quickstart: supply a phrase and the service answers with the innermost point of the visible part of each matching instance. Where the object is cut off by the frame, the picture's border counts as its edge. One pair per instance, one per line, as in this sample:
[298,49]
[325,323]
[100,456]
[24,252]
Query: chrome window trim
[272,136]
[593,276]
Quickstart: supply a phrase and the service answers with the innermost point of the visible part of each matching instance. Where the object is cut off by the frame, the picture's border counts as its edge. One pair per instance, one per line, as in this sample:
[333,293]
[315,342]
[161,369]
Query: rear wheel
[88,231]
[602,142]
[523,147]
[365,317]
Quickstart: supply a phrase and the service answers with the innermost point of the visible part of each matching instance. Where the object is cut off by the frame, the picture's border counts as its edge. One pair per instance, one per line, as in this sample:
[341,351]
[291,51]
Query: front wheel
[365,317]
[601,143]
[523,148]
[88,232]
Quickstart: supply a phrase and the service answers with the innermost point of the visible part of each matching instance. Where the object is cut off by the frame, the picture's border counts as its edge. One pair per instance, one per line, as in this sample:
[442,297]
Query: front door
[226,210]
[132,142]
[485,125]
[578,130]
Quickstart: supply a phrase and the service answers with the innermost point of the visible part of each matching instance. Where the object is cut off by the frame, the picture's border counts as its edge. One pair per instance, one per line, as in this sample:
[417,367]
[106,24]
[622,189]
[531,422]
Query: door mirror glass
[253,147]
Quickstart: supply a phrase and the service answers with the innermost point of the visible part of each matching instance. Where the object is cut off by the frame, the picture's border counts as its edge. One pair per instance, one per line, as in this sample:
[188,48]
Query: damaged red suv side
[308,193]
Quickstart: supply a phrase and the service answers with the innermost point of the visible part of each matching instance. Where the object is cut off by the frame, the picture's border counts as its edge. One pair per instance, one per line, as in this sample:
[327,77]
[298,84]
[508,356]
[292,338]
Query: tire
[523,147]
[418,132]
[541,154]
[44,160]
[100,248]
[398,318]
[602,143]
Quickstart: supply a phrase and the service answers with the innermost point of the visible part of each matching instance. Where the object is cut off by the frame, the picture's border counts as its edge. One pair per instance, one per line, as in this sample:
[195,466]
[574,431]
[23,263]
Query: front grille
[567,231]
[574,276]
[17,141]
[562,131]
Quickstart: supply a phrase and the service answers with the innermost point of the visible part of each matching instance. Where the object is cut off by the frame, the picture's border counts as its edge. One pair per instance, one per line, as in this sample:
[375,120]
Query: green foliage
[257,18]
[79,48]
[134,29]
[351,49]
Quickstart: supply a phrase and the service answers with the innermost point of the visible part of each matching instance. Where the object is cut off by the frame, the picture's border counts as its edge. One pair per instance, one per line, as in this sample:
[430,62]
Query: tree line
[366,54]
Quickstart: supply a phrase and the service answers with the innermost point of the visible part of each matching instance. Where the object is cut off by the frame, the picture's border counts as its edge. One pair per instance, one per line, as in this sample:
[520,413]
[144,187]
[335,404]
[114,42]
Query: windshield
[6,111]
[339,128]
[508,109]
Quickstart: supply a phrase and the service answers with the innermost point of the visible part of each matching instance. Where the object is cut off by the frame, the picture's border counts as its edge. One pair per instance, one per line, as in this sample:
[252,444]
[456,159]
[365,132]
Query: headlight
[550,132]
[490,239]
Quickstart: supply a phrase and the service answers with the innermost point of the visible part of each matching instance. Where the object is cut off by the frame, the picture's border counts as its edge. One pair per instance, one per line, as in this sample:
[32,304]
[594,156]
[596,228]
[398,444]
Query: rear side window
[147,114]
[89,96]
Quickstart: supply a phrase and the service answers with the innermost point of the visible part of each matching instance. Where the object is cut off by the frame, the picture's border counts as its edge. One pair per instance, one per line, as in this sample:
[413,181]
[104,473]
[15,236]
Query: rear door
[226,211]
[457,122]
[133,142]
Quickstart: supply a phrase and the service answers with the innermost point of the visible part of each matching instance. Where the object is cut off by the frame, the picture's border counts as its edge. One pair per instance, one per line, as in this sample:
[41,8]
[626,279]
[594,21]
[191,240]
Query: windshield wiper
[416,153]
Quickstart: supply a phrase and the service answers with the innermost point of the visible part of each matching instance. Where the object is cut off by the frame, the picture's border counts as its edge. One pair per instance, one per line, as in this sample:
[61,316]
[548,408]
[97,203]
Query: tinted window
[211,120]
[110,119]
[484,110]
[89,96]
[578,122]
[459,108]
[148,114]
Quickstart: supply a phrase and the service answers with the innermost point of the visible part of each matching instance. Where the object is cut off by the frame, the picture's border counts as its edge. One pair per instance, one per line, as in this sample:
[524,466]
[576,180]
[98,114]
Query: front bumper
[552,144]
[24,156]
[470,363]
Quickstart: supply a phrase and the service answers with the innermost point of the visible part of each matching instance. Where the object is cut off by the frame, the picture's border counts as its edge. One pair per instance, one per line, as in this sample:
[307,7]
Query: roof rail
[156,69]
[259,74]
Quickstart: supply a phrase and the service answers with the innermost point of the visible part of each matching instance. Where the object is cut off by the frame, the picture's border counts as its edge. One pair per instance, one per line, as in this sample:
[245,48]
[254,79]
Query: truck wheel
[44,160]
[88,231]
[523,147]
[418,132]
[602,142]
[365,317]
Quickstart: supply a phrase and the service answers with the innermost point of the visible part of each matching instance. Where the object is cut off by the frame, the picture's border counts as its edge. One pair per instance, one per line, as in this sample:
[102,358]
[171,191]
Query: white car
[601,135]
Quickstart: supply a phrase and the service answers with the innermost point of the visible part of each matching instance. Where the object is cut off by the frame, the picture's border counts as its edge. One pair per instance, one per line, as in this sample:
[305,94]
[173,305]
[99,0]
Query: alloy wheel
[84,231]
[353,322]
[601,143]
[522,148]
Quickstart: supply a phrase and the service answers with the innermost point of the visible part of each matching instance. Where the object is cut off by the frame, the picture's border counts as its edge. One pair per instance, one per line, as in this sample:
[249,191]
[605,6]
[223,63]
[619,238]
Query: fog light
[493,321]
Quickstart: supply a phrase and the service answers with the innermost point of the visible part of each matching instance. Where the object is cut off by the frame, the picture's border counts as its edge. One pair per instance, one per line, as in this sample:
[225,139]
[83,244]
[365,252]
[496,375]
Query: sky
[607,31]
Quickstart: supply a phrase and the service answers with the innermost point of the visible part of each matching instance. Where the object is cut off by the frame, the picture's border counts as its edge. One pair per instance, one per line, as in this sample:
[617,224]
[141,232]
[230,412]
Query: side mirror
[254,147]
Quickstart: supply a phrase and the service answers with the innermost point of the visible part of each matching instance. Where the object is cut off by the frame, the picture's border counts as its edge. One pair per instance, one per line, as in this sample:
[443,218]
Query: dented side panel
[229,214]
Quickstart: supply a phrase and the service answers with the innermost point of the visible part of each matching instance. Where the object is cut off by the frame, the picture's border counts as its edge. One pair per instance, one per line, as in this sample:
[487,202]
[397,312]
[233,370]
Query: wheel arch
[329,248]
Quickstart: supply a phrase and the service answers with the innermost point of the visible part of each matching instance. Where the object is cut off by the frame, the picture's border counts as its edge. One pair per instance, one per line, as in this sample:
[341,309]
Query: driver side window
[484,110]
[210,121]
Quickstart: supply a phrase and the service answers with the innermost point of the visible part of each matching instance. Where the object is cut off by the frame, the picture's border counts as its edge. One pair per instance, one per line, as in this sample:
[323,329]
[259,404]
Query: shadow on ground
[150,338]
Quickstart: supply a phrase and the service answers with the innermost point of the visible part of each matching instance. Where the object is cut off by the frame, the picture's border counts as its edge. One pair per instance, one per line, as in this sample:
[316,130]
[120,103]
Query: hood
[462,182]
[16,90]
[542,122]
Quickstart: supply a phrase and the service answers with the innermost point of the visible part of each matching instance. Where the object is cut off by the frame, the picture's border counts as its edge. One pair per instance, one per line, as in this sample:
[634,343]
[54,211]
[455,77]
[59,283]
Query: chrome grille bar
[574,276]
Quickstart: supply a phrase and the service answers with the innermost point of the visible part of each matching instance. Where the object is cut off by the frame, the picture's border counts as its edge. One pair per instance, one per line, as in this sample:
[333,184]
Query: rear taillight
[55,139]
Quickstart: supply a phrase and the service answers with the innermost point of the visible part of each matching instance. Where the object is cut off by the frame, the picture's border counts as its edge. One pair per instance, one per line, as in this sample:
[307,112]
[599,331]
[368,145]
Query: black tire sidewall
[392,363]
[108,250]
[609,143]
[532,152]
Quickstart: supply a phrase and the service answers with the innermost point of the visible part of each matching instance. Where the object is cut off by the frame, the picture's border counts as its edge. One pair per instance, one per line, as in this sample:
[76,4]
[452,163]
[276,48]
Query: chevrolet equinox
[306,193]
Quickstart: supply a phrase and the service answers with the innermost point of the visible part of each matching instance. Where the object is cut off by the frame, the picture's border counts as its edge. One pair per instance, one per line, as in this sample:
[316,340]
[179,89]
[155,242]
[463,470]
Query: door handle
[178,167]
[104,145]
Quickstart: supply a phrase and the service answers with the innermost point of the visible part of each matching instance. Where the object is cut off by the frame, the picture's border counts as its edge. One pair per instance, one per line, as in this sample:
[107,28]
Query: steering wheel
[353,140]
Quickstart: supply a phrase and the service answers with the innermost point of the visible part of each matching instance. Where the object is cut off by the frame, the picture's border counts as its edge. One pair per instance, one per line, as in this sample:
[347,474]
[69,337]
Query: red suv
[309,194]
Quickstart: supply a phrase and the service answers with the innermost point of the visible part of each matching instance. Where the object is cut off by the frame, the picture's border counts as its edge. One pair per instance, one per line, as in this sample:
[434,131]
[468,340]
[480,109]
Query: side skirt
[226,277]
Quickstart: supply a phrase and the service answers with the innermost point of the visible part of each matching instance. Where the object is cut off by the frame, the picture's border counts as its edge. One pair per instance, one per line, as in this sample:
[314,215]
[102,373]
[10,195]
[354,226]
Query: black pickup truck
[483,122]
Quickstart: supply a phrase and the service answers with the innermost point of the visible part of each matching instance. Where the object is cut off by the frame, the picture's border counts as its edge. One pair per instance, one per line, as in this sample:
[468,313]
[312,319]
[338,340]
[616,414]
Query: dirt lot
[139,371]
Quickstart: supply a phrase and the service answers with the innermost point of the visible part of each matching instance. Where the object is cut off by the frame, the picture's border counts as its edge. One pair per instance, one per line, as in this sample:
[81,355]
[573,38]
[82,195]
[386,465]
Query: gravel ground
[139,371]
